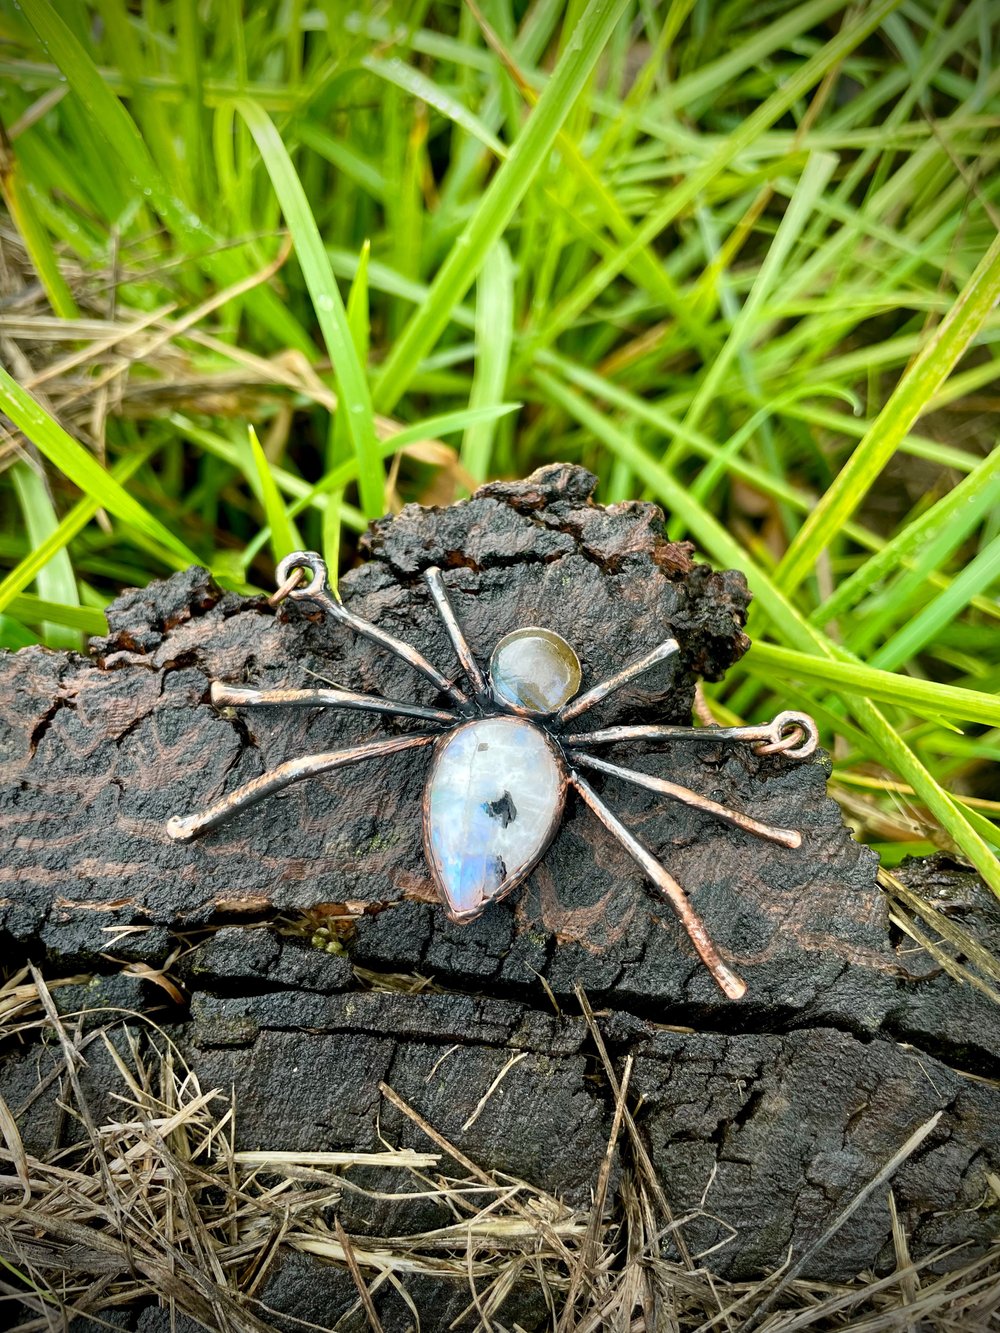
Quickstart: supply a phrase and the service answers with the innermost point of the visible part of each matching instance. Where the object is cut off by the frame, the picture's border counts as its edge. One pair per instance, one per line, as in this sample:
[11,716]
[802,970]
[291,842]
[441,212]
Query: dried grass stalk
[155,1205]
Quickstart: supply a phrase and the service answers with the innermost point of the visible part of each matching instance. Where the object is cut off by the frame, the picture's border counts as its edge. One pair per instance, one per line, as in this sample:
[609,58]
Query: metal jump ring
[294,564]
[795,735]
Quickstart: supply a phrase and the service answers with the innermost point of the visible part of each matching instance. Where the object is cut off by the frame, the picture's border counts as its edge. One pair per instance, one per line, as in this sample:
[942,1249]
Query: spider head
[534,672]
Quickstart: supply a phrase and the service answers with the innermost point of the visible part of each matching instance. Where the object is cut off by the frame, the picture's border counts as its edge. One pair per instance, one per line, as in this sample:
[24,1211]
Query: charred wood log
[760,1117]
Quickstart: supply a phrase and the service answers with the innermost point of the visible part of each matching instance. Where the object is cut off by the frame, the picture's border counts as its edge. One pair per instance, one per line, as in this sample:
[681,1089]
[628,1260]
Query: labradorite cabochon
[534,669]
[494,798]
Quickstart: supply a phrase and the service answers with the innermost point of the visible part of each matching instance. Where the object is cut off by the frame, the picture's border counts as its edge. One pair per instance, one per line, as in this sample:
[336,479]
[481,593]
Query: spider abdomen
[492,804]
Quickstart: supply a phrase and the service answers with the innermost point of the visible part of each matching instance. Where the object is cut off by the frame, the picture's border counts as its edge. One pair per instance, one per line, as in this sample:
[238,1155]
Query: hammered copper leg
[795,735]
[318,590]
[184,828]
[785,836]
[232,696]
[725,978]
[459,642]
[601,691]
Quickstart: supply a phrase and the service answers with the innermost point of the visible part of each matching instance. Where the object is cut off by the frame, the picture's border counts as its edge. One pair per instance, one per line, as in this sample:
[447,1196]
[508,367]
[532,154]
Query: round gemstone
[534,670]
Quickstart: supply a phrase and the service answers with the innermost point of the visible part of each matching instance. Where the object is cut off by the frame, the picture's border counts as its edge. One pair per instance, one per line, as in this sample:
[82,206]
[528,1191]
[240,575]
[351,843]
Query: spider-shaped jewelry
[503,758]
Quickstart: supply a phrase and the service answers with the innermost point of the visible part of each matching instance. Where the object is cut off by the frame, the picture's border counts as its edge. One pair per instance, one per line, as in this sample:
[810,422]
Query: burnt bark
[784,1104]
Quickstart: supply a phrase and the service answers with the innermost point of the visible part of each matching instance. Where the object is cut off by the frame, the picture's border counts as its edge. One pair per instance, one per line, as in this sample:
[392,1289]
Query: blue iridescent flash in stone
[494,798]
[534,670]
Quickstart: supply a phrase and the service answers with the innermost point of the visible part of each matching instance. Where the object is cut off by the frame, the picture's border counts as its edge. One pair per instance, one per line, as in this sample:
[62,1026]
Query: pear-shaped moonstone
[534,669]
[493,802]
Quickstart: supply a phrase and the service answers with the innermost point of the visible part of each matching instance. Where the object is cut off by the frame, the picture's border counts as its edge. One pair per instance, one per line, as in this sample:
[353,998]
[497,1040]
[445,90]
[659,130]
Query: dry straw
[154,1204]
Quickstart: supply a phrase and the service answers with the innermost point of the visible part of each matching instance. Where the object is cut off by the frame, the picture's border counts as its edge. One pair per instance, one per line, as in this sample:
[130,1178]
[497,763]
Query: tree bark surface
[763,1117]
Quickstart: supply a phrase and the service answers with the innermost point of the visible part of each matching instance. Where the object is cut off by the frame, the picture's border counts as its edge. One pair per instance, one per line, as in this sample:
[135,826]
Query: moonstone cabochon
[493,802]
[534,670]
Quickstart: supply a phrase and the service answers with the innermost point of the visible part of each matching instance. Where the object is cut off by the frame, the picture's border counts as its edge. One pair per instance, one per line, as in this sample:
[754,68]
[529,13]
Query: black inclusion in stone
[502,808]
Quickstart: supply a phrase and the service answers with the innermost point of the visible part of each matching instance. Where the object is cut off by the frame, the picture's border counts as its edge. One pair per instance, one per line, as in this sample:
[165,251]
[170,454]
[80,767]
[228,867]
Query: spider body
[493,802]
[504,759]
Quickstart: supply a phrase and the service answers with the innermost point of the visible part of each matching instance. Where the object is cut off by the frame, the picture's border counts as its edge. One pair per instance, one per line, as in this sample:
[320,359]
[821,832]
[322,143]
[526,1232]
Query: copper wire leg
[795,735]
[229,696]
[463,652]
[594,696]
[317,590]
[726,979]
[184,828]
[785,836]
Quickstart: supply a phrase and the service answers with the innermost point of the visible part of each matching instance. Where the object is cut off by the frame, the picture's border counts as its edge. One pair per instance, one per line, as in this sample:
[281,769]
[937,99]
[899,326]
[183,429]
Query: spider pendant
[503,758]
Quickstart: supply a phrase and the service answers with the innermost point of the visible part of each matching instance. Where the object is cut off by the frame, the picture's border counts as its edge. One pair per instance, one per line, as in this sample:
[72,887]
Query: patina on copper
[538,713]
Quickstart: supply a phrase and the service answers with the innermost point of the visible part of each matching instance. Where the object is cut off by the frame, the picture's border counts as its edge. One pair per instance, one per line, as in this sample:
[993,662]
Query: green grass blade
[345,158]
[494,339]
[756,47]
[695,182]
[56,581]
[189,67]
[924,377]
[24,215]
[813,181]
[284,537]
[339,447]
[352,385]
[882,614]
[76,619]
[978,577]
[150,112]
[955,514]
[64,453]
[919,696]
[418,85]
[69,527]
[14,635]
[726,551]
[358,306]
[497,206]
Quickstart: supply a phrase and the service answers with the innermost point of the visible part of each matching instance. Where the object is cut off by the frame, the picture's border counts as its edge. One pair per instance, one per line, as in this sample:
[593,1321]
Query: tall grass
[737,258]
